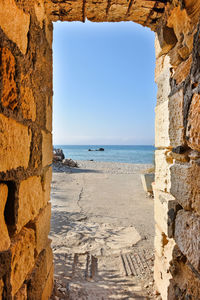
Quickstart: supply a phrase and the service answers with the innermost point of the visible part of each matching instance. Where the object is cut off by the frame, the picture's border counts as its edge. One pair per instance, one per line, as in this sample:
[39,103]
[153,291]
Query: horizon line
[103,144]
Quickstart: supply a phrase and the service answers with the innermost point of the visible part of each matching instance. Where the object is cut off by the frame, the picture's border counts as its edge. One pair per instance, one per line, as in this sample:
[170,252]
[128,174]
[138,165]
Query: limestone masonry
[26,260]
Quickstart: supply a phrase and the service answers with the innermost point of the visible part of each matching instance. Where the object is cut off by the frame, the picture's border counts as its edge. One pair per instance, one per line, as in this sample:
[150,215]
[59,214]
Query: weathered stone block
[8,72]
[94,14]
[169,122]
[162,125]
[39,276]
[183,70]
[162,277]
[184,157]
[15,140]
[49,113]
[193,9]
[167,39]
[41,225]
[46,181]
[11,20]
[22,258]
[47,150]
[162,174]
[176,127]
[65,11]
[163,82]
[186,281]
[157,51]
[165,212]
[22,293]
[40,12]
[181,24]
[28,104]
[162,69]
[185,185]
[193,126]
[160,241]
[49,32]
[5,239]
[31,200]
[117,10]
[187,236]
[47,291]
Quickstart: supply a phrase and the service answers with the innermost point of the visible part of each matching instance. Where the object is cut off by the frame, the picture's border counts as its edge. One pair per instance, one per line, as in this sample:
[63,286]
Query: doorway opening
[102,221]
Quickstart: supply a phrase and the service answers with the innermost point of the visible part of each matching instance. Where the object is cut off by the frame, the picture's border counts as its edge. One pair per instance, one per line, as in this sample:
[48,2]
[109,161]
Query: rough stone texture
[185,185]
[46,182]
[183,70]
[160,241]
[22,258]
[31,200]
[162,125]
[187,236]
[38,282]
[8,71]
[49,285]
[5,239]
[165,212]
[22,293]
[144,12]
[47,149]
[66,11]
[186,283]
[169,121]
[162,275]
[40,12]
[162,78]
[49,113]
[176,128]
[28,104]
[15,140]
[11,20]
[193,9]
[162,174]
[41,225]
[193,126]
[183,27]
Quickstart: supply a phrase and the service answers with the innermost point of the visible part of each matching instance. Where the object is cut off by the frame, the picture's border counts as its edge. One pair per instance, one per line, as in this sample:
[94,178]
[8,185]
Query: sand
[102,232]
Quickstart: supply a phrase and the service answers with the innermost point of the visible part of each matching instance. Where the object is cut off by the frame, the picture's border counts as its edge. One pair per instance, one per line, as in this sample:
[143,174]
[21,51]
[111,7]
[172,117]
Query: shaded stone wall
[26,268]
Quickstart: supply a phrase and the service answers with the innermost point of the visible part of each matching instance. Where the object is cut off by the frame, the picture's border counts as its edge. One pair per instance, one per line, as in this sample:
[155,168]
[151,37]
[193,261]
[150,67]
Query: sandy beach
[102,232]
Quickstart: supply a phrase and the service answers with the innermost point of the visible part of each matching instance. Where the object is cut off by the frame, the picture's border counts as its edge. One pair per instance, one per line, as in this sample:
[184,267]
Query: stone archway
[25,137]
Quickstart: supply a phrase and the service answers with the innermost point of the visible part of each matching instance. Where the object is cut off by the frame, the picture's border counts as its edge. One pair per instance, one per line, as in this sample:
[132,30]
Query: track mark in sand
[137,263]
[80,207]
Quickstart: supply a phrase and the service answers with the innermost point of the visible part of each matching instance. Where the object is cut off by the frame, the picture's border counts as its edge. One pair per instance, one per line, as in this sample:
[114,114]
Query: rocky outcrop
[70,163]
[100,149]
[58,155]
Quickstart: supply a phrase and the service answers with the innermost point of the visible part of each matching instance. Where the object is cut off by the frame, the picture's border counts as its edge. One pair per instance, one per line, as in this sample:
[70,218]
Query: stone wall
[177,199]
[26,268]
[26,265]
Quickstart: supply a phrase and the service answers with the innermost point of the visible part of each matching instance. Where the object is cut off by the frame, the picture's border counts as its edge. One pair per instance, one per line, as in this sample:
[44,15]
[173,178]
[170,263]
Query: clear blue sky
[104,90]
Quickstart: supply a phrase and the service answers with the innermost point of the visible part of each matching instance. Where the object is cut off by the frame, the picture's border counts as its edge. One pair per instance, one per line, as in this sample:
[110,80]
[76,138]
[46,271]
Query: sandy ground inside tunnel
[102,232]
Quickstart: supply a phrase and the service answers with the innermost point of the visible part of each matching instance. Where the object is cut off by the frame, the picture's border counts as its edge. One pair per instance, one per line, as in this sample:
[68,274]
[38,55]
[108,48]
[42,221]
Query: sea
[136,154]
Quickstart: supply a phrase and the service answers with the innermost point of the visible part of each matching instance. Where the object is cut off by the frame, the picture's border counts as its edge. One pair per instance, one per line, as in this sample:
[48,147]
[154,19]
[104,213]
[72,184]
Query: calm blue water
[124,154]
